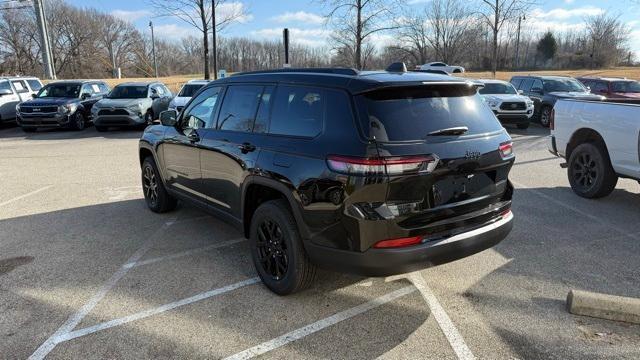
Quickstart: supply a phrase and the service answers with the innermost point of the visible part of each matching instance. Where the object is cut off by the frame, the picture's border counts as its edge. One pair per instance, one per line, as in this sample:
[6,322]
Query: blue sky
[267,17]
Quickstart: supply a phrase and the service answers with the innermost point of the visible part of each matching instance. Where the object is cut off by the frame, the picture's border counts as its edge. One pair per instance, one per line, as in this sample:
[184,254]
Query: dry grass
[175,82]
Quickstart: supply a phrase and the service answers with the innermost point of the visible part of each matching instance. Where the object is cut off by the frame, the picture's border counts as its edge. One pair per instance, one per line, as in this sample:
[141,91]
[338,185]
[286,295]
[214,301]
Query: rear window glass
[411,113]
[298,111]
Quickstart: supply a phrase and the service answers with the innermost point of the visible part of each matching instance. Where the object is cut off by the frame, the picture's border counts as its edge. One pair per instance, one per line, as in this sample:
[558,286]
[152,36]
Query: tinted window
[411,113]
[239,108]
[34,84]
[189,90]
[20,86]
[128,92]
[516,83]
[262,117]
[537,85]
[60,90]
[103,88]
[298,111]
[200,112]
[497,88]
[4,85]
[526,84]
[565,85]
[626,86]
[599,86]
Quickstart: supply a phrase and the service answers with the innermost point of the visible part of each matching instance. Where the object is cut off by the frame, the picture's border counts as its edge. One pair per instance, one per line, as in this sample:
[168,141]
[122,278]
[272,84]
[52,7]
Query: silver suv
[14,90]
[131,104]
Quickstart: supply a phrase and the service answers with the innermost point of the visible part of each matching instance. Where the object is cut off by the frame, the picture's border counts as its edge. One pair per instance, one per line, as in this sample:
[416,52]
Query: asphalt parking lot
[86,271]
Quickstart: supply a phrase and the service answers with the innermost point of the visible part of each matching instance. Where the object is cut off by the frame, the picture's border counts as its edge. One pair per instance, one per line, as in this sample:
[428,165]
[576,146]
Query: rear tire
[590,172]
[155,194]
[277,250]
[545,116]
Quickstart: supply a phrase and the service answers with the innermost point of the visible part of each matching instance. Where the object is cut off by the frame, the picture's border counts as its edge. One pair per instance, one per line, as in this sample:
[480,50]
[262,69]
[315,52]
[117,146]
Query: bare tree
[197,13]
[608,37]
[117,37]
[498,12]
[355,21]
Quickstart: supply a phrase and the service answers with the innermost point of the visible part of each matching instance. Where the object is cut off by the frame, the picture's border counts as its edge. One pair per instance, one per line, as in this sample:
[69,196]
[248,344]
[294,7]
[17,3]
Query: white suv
[14,90]
[509,106]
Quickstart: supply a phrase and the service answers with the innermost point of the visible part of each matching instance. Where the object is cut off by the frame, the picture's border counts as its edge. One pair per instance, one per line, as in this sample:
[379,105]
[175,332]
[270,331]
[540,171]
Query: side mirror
[169,118]
[521,92]
[4,92]
[85,96]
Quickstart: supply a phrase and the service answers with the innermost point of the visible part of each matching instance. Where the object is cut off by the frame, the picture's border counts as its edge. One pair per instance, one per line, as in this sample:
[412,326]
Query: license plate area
[462,187]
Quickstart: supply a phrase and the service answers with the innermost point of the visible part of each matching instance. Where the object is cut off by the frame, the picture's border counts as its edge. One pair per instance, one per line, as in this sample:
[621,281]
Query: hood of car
[505,97]
[50,101]
[577,95]
[120,103]
[180,101]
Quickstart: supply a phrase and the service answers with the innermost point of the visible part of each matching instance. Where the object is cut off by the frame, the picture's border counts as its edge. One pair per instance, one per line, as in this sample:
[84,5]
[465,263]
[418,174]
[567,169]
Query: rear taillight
[552,120]
[397,243]
[506,149]
[392,165]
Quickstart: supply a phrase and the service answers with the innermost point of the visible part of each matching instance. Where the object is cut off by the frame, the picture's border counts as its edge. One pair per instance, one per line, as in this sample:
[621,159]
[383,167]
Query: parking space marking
[300,333]
[575,209]
[185,253]
[25,195]
[155,311]
[446,325]
[76,318]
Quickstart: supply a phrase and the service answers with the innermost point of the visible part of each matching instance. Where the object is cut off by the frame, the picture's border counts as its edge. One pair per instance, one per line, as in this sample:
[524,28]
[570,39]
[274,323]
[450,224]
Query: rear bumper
[386,262]
[43,121]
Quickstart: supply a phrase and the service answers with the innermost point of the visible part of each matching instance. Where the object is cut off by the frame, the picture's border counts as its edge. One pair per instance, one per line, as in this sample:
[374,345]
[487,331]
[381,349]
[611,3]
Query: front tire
[78,121]
[277,251]
[155,194]
[545,116]
[590,172]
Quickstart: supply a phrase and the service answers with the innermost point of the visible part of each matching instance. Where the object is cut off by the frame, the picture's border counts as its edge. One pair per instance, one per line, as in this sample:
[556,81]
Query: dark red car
[613,88]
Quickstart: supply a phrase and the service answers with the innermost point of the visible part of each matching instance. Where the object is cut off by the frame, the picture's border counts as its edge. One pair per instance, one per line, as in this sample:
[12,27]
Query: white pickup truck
[601,142]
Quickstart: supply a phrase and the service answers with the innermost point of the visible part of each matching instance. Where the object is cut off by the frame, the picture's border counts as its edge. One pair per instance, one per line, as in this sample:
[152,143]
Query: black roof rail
[338,71]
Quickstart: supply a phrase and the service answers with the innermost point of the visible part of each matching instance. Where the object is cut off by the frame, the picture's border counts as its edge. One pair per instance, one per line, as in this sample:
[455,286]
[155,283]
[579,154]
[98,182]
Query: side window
[264,109]
[537,85]
[200,112]
[35,85]
[20,86]
[4,85]
[166,90]
[103,88]
[298,111]
[526,84]
[438,64]
[158,89]
[599,87]
[239,108]
[516,83]
[86,89]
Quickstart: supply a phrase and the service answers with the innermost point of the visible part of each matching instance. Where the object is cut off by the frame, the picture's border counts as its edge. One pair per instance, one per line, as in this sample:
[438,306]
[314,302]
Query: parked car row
[73,104]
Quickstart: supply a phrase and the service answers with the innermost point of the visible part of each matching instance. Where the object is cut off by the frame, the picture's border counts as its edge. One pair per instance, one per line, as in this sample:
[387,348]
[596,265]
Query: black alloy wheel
[150,186]
[272,249]
[78,122]
[155,194]
[585,171]
[545,116]
[590,172]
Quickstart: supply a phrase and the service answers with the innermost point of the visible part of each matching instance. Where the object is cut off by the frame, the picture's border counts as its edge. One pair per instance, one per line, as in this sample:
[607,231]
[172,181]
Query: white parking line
[25,195]
[448,328]
[151,312]
[185,253]
[319,325]
[76,318]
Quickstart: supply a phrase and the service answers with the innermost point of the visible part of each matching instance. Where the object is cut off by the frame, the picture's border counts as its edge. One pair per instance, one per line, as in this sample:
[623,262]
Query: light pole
[520,20]
[47,59]
[153,49]
[215,46]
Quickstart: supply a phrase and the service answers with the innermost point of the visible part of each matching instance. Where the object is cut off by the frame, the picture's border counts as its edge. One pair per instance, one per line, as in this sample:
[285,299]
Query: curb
[603,306]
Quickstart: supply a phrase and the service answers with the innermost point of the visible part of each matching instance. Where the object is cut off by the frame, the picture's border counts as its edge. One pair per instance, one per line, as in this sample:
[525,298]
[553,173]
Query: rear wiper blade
[459,130]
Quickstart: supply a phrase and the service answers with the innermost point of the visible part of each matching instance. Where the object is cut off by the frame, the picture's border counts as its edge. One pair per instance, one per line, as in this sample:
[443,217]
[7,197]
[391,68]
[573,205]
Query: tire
[457,71]
[277,251]
[523,126]
[148,118]
[101,128]
[590,172]
[78,121]
[155,194]
[29,129]
[545,116]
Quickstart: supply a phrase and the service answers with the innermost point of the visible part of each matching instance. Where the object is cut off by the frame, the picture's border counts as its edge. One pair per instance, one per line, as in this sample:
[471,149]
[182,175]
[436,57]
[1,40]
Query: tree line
[365,34]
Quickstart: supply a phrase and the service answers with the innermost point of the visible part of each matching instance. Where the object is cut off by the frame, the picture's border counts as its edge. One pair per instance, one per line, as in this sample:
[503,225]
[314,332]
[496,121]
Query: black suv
[61,104]
[374,173]
[546,90]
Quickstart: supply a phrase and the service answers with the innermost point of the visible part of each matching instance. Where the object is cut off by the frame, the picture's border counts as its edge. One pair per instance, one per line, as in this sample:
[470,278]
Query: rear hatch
[466,155]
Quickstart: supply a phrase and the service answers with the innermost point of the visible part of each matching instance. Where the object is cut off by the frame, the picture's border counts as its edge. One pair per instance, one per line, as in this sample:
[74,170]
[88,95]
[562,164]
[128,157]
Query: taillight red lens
[396,243]
[552,120]
[506,149]
[392,165]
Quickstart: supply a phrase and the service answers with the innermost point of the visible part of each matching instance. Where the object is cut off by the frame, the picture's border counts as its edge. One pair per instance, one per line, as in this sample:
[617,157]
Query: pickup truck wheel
[155,194]
[590,172]
[277,250]
[545,116]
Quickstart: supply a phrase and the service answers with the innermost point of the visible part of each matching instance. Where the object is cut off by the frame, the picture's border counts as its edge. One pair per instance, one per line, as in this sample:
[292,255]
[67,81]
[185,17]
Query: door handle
[246,147]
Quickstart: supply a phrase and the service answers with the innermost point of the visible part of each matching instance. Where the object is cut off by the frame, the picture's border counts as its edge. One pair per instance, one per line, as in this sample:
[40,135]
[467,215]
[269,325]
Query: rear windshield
[410,113]
[189,90]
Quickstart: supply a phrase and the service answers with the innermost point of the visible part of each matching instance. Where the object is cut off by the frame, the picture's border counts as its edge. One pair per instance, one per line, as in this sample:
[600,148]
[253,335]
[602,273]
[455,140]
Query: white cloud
[300,17]
[311,37]
[173,32]
[569,1]
[130,15]
[561,13]
[228,9]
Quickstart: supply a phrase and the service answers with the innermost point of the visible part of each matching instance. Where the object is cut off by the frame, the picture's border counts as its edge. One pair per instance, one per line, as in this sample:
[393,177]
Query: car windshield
[60,91]
[189,90]
[4,85]
[626,87]
[563,85]
[128,92]
[497,88]
[411,113]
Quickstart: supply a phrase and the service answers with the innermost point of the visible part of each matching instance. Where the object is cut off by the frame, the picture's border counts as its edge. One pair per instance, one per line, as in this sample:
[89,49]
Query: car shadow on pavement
[64,134]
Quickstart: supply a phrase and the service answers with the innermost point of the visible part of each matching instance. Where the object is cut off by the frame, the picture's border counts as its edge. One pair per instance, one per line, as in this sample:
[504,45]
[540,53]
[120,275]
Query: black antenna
[398,67]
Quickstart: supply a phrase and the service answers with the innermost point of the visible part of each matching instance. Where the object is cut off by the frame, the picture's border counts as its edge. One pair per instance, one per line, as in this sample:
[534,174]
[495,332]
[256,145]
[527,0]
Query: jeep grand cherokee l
[374,173]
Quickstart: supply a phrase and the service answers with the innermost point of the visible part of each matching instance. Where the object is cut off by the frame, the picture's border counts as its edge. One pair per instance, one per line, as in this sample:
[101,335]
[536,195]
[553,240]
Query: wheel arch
[582,136]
